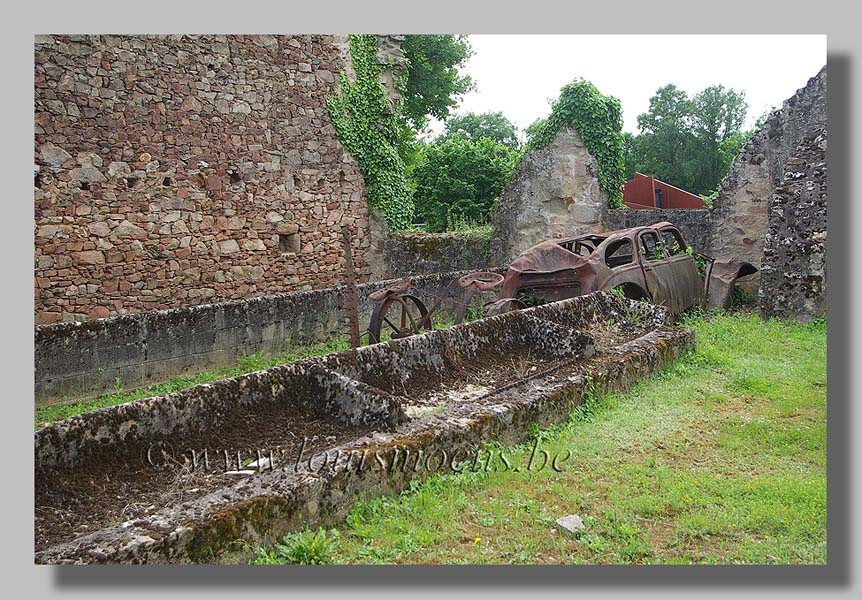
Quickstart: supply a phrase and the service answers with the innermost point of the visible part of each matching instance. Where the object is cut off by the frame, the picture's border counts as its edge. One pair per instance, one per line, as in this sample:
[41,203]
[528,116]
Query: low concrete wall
[258,509]
[695,224]
[418,253]
[79,360]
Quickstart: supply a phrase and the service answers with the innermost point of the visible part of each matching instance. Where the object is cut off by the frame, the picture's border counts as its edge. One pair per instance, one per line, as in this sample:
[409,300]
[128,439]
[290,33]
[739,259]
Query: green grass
[248,364]
[720,458]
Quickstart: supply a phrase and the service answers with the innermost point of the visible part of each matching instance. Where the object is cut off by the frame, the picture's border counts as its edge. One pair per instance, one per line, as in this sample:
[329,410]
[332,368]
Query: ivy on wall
[598,120]
[367,124]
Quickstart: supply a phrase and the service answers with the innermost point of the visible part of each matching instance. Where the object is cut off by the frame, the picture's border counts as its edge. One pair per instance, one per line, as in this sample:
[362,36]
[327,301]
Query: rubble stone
[131,134]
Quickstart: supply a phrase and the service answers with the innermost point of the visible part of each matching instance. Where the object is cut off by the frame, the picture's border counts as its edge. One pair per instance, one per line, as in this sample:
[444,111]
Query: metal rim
[492,309]
[402,315]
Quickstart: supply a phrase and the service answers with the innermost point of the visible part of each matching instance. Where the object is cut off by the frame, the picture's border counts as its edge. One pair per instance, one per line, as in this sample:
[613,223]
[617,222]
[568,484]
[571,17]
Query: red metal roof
[640,194]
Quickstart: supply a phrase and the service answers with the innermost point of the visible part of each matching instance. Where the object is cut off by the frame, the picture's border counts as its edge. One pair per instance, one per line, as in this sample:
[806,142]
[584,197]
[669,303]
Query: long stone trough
[168,479]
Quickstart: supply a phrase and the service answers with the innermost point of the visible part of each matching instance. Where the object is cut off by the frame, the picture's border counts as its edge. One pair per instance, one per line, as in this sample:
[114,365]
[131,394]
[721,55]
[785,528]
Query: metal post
[350,276]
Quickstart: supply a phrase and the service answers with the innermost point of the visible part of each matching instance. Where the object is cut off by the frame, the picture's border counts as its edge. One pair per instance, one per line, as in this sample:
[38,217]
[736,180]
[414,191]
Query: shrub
[460,180]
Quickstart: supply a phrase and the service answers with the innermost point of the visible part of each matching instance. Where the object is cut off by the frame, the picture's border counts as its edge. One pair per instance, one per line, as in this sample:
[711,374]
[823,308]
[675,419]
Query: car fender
[721,276]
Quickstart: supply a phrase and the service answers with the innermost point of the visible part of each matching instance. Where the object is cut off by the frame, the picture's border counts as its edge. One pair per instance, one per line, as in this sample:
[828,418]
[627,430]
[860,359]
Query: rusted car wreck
[652,263]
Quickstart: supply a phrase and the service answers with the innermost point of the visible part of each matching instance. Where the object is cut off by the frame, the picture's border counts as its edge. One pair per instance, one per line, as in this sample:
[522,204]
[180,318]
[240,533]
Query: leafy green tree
[689,142]
[461,179]
[491,125]
[665,143]
[434,83]
[717,115]
[630,154]
[534,129]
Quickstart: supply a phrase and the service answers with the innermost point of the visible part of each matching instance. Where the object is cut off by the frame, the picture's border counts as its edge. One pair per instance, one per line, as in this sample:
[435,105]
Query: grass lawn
[721,458]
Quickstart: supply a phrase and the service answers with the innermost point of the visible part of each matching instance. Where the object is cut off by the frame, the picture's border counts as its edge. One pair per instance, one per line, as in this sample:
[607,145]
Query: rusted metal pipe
[350,277]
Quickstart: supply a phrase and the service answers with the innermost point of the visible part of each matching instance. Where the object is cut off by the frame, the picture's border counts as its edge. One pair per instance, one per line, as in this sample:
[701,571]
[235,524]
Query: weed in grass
[305,547]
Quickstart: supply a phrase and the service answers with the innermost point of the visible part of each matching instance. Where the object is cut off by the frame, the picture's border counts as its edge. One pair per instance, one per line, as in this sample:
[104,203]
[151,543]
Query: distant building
[646,192]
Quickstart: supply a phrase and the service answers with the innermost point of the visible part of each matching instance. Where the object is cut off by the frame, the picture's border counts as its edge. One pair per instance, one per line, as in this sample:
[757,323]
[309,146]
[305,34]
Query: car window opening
[619,253]
[673,242]
[582,246]
[651,247]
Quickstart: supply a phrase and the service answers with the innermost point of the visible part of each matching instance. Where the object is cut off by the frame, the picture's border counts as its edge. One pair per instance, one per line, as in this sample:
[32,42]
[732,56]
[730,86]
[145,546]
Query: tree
[665,141]
[534,128]
[630,154]
[458,178]
[433,81]
[689,142]
[491,125]
[717,118]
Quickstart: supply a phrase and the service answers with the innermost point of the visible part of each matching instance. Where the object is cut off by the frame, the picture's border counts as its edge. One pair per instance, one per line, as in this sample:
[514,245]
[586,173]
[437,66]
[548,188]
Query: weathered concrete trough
[166,480]
[80,360]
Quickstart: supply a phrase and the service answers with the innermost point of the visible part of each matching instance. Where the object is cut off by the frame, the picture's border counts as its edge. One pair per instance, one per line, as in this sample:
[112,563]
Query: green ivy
[598,120]
[368,126]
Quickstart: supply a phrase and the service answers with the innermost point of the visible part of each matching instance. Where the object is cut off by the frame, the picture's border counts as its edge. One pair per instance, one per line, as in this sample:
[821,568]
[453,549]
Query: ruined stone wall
[793,273]
[418,253]
[695,224]
[740,215]
[79,360]
[554,193]
[177,170]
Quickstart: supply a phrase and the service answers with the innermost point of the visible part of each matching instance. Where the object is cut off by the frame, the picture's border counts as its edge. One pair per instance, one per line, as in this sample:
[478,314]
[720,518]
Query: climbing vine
[368,123]
[598,120]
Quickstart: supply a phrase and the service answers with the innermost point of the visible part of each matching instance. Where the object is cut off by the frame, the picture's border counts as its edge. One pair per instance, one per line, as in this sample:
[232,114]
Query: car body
[652,263]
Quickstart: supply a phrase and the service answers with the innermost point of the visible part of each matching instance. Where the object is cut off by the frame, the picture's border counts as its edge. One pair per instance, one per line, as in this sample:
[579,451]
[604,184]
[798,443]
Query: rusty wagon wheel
[399,316]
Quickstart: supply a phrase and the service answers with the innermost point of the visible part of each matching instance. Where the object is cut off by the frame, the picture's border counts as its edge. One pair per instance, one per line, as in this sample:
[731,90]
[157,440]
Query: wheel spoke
[412,322]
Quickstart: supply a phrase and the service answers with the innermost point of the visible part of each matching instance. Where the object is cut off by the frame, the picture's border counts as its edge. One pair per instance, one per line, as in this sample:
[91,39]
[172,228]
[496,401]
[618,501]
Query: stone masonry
[793,274]
[740,215]
[177,170]
[554,193]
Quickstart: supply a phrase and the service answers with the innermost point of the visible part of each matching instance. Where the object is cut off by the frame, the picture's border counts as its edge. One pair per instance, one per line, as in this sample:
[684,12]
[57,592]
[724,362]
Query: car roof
[617,232]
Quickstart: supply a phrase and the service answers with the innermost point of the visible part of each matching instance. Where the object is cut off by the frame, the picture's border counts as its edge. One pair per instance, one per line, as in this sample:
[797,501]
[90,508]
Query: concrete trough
[344,421]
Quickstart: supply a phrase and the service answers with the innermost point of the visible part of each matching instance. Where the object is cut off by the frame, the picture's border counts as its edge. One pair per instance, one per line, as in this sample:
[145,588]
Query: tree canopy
[491,125]
[687,141]
[458,179]
[434,83]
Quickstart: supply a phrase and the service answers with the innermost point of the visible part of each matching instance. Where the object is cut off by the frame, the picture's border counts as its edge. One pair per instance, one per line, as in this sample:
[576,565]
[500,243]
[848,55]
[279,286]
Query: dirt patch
[112,489]
[610,333]
[476,379]
[472,382]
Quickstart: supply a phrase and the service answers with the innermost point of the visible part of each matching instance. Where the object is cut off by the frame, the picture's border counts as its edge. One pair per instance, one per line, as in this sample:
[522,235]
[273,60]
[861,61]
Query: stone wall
[740,215]
[695,224]
[554,193]
[793,273]
[176,170]
[77,360]
[420,253]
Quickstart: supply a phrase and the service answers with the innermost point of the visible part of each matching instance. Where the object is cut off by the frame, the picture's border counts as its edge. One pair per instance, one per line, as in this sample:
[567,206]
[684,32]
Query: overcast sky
[518,74]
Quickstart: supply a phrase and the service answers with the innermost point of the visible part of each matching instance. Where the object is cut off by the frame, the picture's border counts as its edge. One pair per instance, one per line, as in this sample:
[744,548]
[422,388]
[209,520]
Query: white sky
[519,74]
